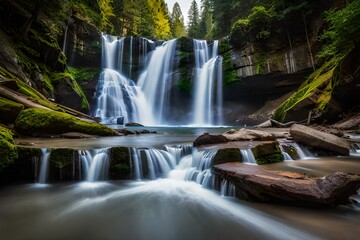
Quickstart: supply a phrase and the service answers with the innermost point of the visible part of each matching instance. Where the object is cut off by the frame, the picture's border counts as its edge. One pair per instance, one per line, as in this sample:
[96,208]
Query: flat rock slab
[256,183]
[318,139]
[248,135]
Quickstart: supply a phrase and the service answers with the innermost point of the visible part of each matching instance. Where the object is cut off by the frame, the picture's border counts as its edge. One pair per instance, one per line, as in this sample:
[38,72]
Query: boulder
[207,139]
[267,152]
[248,135]
[76,135]
[133,124]
[227,155]
[321,140]
[255,183]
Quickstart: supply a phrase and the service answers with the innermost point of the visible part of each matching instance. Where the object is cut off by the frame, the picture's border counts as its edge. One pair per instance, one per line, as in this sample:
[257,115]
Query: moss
[229,74]
[267,153]
[84,74]
[321,82]
[120,163]
[227,155]
[67,76]
[45,122]
[61,157]
[260,63]
[27,153]
[8,151]
[9,110]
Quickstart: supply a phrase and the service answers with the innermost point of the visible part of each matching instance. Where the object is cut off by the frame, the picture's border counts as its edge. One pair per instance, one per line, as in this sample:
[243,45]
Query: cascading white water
[118,97]
[95,164]
[155,81]
[248,156]
[44,165]
[227,188]
[208,71]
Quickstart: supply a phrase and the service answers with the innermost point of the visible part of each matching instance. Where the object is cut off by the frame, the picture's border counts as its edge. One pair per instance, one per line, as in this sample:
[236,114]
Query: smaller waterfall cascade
[248,156]
[118,97]
[44,165]
[208,71]
[95,164]
[156,80]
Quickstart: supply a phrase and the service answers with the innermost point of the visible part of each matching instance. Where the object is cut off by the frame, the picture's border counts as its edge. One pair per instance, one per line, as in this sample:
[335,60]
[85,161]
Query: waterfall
[207,72]
[44,165]
[156,80]
[227,188]
[125,96]
[248,156]
[95,164]
[118,97]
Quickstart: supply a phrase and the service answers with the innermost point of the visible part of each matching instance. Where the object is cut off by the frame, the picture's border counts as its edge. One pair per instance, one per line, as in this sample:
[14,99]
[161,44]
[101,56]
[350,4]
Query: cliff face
[289,53]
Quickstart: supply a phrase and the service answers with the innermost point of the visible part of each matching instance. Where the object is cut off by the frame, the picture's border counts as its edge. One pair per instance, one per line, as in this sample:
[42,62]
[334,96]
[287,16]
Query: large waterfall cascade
[123,97]
[207,109]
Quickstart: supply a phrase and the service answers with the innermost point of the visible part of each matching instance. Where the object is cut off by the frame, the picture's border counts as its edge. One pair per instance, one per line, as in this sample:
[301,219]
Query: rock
[207,138]
[265,124]
[255,183]
[76,135]
[267,152]
[120,120]
[315,138]
[227,155]
[133,124]
[248,135]
[350,123]
[125,131]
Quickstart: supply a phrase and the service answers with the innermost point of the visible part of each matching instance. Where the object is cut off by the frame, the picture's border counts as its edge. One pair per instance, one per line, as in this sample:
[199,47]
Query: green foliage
[39,121]
[177,22]
[193,20]
[184,84]
[206,20]
[161,19]
[9,110]
[229,74]
[70,77]
[106,13]
[83,74]
[343,33]
[8,151]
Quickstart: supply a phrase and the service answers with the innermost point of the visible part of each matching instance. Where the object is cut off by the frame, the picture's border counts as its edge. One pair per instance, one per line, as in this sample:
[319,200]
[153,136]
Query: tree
[161,19]
[177,22]
[106,13]
[194,18]
[206,21]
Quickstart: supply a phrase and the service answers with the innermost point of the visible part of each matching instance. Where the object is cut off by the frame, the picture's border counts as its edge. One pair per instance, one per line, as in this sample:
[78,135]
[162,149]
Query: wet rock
[76,135]
[321,140]
[350,123]
[255,183]
[248,135]
[133,124]
[207,138]
[120,120]
[267,152]
[227,155]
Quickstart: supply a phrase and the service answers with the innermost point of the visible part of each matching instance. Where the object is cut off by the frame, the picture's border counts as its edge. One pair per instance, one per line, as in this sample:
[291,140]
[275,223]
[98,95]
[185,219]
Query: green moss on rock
[9,110]
[227,155]
[8,151]
[120,163]
[267,153]
[40,122]
[61,157]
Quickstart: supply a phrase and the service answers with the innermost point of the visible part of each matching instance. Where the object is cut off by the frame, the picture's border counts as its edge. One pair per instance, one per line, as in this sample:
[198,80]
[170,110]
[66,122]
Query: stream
[167,207]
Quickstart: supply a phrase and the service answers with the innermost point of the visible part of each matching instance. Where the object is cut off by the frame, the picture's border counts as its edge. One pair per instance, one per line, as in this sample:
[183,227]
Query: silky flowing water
[166,207]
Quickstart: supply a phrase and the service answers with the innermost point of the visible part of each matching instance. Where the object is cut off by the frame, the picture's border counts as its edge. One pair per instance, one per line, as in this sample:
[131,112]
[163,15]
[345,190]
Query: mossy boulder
[267,152]
[41,122]
[227,155]
[9,110]
[8,151]
[120,163]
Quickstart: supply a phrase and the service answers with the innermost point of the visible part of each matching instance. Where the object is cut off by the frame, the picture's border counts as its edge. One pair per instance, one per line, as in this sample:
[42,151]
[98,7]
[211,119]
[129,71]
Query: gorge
[118,121]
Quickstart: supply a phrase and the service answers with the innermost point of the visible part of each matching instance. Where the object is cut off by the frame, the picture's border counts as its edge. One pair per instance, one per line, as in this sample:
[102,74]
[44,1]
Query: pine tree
[194,18]
[177,22]
[106,13]
[161,18]
[206,21]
